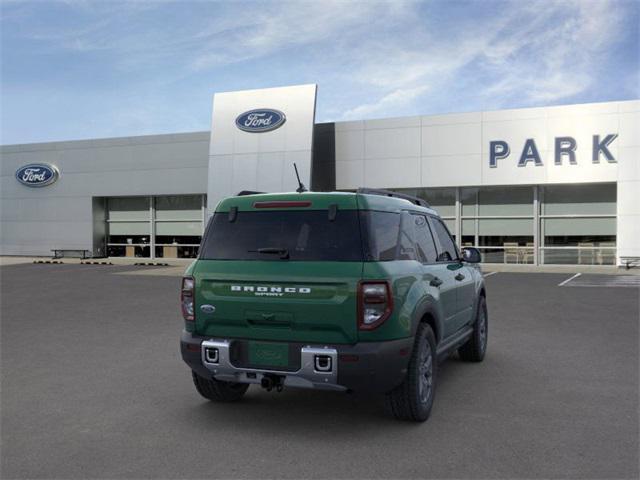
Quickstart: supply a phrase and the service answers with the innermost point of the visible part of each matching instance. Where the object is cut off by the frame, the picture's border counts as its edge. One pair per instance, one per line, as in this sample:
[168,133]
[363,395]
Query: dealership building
[552,185]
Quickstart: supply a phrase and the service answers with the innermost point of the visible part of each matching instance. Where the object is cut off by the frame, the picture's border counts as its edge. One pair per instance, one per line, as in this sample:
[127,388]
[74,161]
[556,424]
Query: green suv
[361,292]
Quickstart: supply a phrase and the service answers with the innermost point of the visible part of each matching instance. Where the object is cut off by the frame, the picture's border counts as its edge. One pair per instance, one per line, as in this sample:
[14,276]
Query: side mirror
[471,255]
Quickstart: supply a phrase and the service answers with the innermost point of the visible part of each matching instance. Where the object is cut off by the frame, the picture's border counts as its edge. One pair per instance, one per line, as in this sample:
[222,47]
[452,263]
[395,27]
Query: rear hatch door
[311,302]
[281,270]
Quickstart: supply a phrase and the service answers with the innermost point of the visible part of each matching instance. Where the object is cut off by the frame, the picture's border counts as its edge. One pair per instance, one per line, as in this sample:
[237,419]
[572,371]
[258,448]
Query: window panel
[594,199]
[129,228]
[505,226]
[468,199]
[179,207]
[443,200]
[451,224]
[579,256]
[579,226]
[468,227]
[505,201]
[128,208]
[179,228]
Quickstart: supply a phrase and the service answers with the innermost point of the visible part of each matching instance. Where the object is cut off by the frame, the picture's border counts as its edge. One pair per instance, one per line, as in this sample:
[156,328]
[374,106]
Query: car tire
[476,347]
[413,399]
[218,391]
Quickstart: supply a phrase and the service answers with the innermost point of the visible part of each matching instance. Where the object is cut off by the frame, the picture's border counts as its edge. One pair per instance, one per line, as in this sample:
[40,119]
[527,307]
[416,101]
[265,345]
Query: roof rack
[389,193]
[248,192]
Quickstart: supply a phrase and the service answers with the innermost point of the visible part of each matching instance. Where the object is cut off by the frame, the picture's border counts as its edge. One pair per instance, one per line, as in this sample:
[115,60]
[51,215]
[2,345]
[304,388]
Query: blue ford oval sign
[260,120]
[37,175]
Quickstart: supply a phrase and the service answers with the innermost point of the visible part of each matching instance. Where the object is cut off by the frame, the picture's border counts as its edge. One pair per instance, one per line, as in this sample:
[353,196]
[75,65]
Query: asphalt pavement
[92,386]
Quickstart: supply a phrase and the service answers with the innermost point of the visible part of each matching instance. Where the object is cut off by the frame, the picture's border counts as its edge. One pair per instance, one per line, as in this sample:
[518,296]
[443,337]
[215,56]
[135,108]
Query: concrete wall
[628,207]
[240,160]
[453,150]
[35,220]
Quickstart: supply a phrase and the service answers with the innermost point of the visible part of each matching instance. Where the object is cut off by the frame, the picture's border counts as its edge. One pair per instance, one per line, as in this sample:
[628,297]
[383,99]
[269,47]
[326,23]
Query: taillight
[186,298]
[375,304]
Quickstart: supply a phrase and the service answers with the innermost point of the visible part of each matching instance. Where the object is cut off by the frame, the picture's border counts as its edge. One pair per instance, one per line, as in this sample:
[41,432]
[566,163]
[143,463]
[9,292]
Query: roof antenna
[301,188]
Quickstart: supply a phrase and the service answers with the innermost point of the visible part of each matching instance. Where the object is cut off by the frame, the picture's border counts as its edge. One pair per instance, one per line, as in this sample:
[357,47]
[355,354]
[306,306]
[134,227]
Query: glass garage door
[500,222]
[178,224]
[578,224]
[168,226]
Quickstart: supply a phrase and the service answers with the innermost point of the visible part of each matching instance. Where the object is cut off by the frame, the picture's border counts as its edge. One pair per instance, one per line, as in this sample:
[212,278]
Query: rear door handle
[459,277]
[435,282]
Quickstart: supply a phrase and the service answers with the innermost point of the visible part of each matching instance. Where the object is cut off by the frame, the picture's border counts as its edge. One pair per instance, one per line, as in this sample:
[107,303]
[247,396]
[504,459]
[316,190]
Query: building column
[152,236]
[458,220]
[536,226]
[204,213]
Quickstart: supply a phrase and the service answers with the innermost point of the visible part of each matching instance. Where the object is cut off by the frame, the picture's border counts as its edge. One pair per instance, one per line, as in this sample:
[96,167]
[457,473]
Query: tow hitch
[270,381]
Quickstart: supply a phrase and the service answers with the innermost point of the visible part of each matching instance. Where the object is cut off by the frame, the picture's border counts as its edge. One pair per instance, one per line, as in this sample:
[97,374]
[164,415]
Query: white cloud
[553,57]
[370,58]
[389,102]
[535,53]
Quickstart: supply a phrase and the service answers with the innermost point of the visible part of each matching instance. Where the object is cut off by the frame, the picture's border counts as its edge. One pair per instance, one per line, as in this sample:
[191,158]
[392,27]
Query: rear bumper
[374,367]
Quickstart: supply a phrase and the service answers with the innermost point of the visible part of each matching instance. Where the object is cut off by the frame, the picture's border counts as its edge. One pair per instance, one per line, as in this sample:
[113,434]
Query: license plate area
[265,355]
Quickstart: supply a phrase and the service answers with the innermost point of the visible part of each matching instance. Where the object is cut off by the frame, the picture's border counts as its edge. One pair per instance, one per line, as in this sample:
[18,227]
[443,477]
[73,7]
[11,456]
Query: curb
[95,263]
[49,261]
[151,264]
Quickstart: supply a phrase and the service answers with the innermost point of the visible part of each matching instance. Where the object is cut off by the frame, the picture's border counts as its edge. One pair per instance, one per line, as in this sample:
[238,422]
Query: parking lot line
[489,274]
[569,279]
[618,281]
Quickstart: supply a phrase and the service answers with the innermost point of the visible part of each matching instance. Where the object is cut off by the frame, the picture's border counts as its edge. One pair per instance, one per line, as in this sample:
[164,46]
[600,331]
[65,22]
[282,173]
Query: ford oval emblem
[260,120]
[37,174]
[208,308]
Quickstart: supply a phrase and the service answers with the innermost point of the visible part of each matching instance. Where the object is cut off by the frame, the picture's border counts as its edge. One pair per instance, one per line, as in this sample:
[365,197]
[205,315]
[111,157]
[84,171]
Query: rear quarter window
[388,236]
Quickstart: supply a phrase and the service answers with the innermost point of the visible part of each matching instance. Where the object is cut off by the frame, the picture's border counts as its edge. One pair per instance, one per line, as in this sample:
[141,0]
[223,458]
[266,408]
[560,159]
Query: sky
[79,69]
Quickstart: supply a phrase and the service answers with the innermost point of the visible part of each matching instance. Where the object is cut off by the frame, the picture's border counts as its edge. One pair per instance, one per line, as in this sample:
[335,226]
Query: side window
[381,236]
[424,240]
[406,242]
[389,236]
[447,249]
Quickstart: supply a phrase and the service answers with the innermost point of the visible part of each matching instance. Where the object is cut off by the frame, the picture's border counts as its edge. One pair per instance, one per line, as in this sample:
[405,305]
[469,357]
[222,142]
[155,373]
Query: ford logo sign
[37,175]
[260,120]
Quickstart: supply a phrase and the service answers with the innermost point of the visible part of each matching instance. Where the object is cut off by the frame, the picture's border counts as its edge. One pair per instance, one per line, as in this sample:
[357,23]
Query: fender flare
[437,324]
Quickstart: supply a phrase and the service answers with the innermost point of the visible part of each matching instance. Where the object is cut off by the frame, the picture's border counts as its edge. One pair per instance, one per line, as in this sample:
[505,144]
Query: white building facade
[553,185]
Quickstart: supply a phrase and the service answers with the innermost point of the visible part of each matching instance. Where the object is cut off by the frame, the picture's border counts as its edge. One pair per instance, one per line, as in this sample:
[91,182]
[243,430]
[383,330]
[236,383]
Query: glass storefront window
[594,240]
[514,236]
[443,200]
[496,201]
[469,201]
[579,256]
[468,233]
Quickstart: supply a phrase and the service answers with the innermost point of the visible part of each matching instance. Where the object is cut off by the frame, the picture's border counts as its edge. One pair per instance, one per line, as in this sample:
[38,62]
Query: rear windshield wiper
[283,252]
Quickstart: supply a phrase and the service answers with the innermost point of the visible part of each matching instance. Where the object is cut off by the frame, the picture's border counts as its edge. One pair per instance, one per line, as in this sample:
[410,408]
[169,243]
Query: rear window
[273,235]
